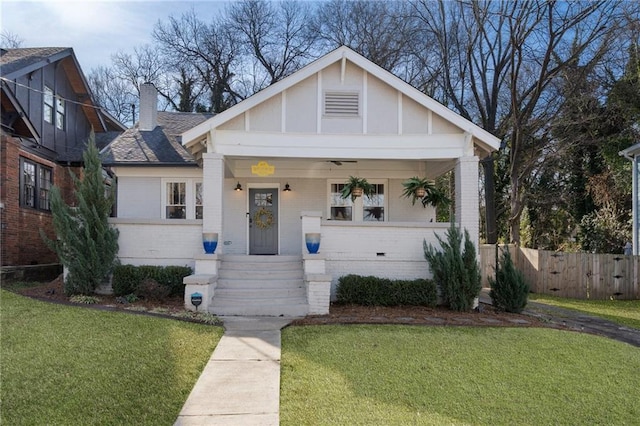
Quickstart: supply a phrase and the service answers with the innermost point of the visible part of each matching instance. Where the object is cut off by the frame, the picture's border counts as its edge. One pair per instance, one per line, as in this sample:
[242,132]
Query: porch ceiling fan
[339,162]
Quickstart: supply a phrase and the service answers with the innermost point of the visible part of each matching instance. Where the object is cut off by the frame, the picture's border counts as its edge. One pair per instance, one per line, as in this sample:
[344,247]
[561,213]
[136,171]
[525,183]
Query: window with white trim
[48,107]
[35,185]
[182,199]
[61,113]
[373,206]
[340,208]
[198,192]
[176,205]
[366,208]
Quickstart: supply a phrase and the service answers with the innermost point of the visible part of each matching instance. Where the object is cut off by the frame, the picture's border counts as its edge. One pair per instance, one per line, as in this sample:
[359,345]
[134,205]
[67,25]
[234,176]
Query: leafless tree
[274,37]
[380,31]
[113,94]
[208,53]
[10,40]
[499,60]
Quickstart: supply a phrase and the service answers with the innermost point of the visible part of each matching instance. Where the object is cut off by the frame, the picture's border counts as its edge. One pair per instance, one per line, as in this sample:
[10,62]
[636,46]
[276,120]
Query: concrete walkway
[576,321]
[240,385]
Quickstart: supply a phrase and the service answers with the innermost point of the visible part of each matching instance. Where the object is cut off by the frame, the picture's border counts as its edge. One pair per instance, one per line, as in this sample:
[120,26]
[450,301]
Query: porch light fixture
[238,187]
[287,188]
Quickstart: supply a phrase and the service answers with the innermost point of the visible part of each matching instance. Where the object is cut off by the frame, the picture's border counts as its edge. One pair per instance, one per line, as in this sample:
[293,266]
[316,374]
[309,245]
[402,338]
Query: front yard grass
[398,375]
[68,365]
[623,312]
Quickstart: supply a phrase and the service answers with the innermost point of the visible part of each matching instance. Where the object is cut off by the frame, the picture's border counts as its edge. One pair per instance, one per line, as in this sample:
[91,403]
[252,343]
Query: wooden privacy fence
[574,275]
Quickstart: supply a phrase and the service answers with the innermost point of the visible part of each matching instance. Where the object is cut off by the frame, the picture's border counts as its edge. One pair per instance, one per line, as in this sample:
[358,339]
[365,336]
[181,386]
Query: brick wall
[20,241]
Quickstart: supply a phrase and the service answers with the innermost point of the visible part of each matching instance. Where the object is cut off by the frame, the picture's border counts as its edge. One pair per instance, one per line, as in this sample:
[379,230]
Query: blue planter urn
[312,240]
[210,242]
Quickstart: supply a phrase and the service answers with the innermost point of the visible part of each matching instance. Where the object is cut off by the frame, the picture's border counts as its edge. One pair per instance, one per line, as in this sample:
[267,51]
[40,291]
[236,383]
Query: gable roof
[630,152]
[18,62]
[15,63]
[480,136]
[160,146]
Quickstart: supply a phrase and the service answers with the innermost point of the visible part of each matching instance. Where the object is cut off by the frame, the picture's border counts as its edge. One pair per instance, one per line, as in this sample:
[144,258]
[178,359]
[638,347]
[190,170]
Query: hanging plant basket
[420,192]
[424,190]
[356,187]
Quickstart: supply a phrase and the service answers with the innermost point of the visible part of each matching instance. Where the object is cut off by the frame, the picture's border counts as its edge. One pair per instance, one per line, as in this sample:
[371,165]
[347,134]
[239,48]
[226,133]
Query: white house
[269,170]
[633,153]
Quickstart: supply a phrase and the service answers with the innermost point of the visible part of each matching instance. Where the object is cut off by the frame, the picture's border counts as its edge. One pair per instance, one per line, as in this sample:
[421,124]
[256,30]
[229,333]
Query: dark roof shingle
[13,60]
[163,145]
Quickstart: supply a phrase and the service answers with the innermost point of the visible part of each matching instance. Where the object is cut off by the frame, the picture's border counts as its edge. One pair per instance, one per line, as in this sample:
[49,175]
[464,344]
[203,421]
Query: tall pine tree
[86,245]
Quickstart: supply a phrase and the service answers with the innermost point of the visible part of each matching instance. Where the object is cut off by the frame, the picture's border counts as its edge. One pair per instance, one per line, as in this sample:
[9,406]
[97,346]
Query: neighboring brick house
[47,116]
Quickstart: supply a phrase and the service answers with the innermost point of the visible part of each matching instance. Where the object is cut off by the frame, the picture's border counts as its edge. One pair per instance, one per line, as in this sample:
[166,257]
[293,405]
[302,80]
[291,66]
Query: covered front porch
[380,235]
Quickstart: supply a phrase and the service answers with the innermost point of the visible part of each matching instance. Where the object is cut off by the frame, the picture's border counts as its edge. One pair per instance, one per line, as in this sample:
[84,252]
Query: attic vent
[342,104]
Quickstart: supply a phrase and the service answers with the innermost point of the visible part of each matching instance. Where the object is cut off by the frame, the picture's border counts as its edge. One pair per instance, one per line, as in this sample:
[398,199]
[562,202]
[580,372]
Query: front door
[263,221]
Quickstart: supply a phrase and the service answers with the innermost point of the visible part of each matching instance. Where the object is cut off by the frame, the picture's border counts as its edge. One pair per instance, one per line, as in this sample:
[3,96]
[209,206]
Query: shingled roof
[161,146]
[24,60]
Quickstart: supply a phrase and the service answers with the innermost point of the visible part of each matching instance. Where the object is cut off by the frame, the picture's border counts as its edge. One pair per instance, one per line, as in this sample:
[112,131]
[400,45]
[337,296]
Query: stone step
[259,283]
[260,273]
[257,267]
[239,258]
[250,294]
[244,309]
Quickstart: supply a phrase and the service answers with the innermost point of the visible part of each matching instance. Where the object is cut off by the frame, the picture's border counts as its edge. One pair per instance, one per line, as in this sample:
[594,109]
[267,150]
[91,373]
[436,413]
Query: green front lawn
[623,312]
[400,375]
[68,365]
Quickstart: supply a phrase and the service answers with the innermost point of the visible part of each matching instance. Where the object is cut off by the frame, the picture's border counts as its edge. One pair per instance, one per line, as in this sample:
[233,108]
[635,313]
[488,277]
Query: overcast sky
[95,29]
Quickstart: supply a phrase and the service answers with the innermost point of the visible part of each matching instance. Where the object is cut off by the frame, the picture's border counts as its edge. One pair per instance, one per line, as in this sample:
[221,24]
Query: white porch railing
[158,241]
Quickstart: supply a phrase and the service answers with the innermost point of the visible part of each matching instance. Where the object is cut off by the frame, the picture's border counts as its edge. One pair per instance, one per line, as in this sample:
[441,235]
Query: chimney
[148,107]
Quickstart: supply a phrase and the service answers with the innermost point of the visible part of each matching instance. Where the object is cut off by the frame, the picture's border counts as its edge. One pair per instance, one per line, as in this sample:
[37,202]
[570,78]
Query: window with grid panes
[35,185]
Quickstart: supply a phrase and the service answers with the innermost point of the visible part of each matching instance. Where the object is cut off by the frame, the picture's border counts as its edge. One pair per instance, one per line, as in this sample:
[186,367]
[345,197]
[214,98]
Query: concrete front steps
[260,286]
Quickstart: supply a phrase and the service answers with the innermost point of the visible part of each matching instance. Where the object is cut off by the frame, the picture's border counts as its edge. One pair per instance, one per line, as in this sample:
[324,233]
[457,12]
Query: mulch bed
[54,292]
[485,316]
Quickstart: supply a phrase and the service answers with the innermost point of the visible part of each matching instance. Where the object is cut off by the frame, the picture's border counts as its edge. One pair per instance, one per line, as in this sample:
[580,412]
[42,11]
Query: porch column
[467,201]
[213,191]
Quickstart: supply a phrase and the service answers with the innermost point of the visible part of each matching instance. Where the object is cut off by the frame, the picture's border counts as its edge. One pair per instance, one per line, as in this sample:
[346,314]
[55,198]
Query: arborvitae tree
[509,291]
[455,269]
[86,245]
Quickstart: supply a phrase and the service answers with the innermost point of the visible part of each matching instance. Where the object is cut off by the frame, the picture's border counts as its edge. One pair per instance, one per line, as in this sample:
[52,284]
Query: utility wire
[56,96]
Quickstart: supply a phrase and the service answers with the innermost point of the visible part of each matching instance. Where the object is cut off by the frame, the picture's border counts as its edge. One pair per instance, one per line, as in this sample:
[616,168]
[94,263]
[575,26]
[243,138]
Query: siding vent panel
[342,104]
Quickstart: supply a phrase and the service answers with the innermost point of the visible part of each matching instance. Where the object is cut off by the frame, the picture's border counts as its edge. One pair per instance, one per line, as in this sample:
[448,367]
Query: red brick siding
[20,241]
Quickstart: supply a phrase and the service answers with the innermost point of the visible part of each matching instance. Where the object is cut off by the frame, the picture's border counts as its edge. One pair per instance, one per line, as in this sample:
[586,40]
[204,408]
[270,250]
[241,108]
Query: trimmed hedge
[128,278]
[374,291]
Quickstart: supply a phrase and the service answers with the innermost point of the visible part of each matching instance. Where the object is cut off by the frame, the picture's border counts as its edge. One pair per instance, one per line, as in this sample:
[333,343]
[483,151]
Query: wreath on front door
[263,218]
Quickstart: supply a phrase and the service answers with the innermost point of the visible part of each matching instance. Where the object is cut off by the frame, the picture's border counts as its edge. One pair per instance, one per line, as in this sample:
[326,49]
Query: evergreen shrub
[455,269]
[374,291]
[85,242]
[127,279]
[509,291]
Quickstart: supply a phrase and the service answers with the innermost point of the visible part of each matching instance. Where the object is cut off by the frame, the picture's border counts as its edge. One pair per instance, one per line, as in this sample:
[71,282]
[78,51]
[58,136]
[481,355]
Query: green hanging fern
[352,184]
[432,195]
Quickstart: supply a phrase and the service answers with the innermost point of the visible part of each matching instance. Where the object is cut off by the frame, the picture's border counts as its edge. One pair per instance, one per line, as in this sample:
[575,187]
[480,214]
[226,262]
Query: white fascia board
[344,146]
[157,172]
[631,151]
